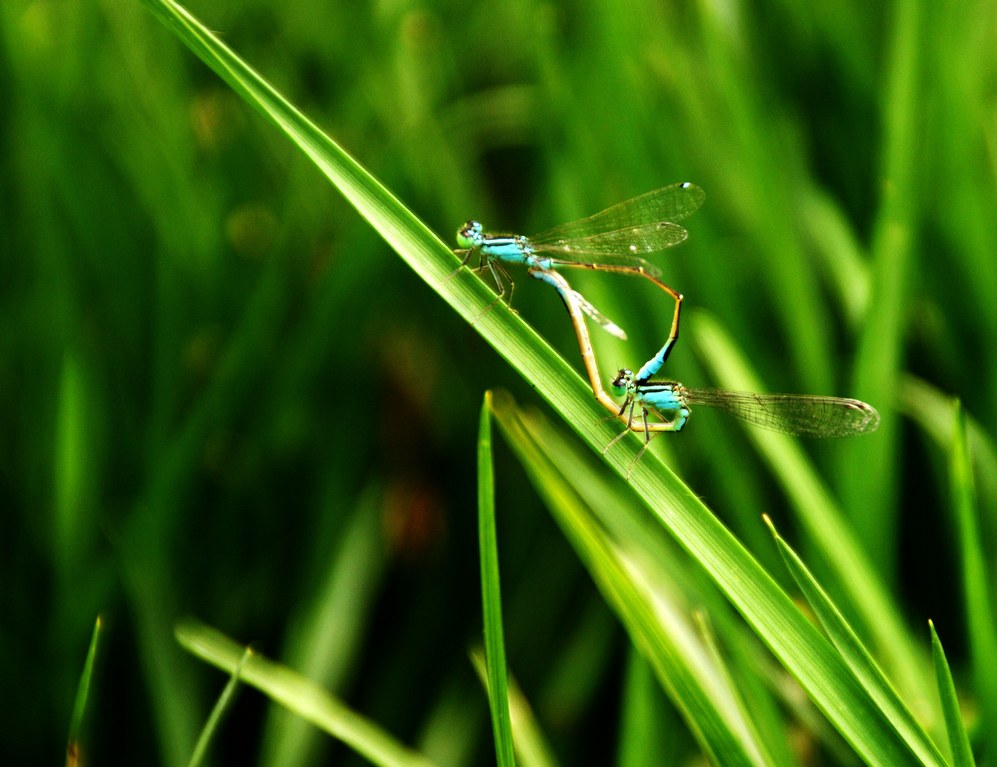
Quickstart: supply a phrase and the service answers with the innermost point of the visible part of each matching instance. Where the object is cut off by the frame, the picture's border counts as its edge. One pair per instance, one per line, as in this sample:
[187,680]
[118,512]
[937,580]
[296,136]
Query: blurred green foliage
[225,397]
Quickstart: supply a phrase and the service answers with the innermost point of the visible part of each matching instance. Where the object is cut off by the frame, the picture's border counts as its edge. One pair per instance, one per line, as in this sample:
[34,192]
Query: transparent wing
[634,240]
[670,203]
[598,317]
[804,415]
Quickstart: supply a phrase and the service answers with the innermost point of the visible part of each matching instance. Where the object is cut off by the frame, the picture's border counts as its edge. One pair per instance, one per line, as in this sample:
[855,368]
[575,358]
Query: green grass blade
[931,409]
[659,625]
[83,695]
[832,237]
[748,587]
[979,611]
[759,680]
[858,659]
[879,358]
[453,724]
[648,727]
[491,594]
[73,474]
[962,752]
[420,248]
[816,509]
[221,705]
[532,748]
[803,651]
[722,663]
[302,696]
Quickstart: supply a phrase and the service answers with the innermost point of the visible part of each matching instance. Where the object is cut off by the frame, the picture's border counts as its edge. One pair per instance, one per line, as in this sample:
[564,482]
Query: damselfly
[803,415]
[613,240]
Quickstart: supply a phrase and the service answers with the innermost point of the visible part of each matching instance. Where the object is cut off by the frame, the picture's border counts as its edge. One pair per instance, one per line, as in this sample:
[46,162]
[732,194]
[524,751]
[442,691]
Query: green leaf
[962,752]
[859,660]
[491,594]
[214,720]
[532,748]
[982,632]
[299,694]
[529,354]
[651,610]
[803,651]
[83,690]
[820,515]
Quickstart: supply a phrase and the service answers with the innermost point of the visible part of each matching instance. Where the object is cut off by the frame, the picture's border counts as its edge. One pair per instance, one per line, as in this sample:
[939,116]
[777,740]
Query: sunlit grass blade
[491,594]
[858,658]
[821,516]
[303,696]
[748,713]
[968,447]
[532,748]
[420,248]
[74,744]
[221,705]
[804,652]
[962,752]
[759,679]
[651,611]
[976,582]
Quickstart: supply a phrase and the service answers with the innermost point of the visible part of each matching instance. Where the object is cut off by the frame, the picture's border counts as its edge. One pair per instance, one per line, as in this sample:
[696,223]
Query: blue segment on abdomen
[654,364]
[666,399]
[513,250]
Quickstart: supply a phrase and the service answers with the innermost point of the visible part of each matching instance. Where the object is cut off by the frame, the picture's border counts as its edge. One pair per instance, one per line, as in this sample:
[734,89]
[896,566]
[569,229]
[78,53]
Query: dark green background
[220,388]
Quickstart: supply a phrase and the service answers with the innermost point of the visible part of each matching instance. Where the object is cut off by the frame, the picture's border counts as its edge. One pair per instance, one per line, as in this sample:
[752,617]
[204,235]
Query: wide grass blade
[804,652]
[411,239]
[651,610]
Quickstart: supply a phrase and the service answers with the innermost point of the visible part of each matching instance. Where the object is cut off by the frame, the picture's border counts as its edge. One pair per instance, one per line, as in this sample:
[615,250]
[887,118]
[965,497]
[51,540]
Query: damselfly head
[470,235]
[623,383]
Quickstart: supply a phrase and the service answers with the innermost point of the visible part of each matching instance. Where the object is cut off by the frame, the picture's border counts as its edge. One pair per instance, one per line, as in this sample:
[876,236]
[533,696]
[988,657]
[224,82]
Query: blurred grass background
[225,397]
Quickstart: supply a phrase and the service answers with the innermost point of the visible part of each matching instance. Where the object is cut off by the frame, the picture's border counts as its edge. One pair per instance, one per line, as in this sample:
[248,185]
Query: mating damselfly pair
[616,240]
